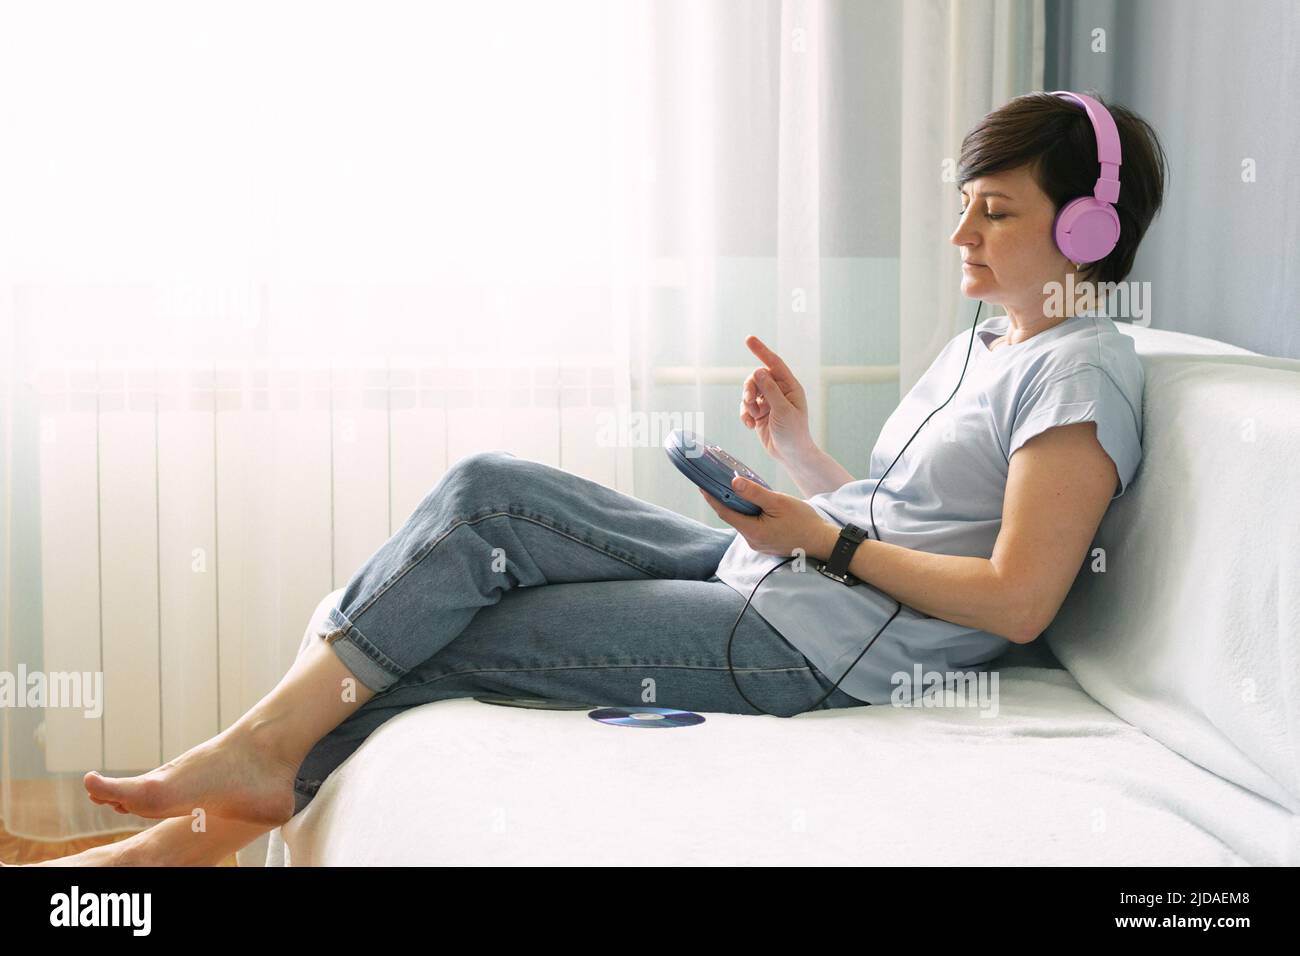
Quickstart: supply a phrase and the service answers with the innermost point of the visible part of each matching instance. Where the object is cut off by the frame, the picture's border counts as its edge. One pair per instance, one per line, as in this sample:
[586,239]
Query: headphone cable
[871,511]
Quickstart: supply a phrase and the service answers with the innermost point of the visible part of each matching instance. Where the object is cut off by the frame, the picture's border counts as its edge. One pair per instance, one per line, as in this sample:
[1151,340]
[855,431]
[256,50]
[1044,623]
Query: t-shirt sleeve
[1083,393]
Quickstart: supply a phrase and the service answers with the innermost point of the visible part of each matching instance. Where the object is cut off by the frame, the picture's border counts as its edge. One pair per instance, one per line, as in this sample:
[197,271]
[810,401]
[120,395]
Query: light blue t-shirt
[944,495]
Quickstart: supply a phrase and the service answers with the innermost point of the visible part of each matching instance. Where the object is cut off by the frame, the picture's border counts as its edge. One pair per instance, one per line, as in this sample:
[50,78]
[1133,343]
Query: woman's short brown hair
[1056,138]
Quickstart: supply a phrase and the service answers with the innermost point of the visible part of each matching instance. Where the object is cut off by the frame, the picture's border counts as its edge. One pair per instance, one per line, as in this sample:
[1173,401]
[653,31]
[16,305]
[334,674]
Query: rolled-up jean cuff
[370,665]
[303,794]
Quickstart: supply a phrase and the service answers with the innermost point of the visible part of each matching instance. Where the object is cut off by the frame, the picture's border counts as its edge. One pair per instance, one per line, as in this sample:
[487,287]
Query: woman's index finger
[769,358]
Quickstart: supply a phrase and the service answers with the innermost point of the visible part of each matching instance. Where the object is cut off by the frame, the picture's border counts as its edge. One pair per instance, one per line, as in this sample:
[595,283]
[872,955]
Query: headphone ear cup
[1086,229]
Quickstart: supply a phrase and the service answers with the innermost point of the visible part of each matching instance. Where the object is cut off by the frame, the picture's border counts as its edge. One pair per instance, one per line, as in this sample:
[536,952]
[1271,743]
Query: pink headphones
[1087,228]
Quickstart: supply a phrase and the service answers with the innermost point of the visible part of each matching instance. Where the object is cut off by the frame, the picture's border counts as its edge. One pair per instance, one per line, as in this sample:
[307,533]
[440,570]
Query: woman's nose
[964,234]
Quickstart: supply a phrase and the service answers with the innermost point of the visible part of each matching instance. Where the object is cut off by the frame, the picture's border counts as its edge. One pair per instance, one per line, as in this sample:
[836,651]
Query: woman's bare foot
[233,775]
[171,842]
[110,854]
[129,851]
[246,773]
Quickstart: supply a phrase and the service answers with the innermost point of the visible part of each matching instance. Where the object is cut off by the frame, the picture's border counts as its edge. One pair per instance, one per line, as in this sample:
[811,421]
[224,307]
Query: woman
[978,543]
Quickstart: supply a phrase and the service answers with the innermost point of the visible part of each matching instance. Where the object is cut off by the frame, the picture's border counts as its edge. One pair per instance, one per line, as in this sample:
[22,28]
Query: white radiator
[192,519]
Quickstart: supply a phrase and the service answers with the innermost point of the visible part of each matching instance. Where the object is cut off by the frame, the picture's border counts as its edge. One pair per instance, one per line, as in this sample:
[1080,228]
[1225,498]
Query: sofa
[1154,722]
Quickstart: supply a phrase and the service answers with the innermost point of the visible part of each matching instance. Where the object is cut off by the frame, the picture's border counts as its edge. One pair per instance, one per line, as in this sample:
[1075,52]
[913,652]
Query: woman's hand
[786,523]
[774,405]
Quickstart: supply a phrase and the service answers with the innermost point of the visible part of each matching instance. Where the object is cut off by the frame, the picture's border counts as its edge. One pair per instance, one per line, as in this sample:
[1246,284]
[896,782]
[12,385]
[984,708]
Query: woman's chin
[975,288]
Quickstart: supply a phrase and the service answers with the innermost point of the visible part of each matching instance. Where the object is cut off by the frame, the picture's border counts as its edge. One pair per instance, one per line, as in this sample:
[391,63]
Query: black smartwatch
[836,566]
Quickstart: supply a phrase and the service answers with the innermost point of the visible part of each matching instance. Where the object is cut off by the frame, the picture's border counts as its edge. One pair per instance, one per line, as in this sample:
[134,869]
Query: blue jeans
[450,606]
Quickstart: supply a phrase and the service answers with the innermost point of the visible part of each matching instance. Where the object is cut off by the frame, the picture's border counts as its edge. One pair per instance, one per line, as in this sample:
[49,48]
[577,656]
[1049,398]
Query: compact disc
[645,717]
[535,703]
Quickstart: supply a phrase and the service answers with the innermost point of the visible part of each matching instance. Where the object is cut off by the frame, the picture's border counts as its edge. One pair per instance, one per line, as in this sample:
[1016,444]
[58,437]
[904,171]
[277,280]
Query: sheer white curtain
[267,270]
[960,60]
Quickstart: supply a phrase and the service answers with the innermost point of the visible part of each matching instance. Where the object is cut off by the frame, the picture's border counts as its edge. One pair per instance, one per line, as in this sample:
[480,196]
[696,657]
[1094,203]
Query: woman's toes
[105,803]
[110,790]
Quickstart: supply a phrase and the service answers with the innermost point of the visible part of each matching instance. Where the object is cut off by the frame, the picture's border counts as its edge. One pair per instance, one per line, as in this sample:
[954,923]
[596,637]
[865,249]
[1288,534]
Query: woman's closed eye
[988,215]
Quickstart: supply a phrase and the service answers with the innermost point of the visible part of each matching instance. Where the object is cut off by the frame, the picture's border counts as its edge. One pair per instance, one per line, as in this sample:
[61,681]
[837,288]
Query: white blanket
[1055,779]
[1192,631]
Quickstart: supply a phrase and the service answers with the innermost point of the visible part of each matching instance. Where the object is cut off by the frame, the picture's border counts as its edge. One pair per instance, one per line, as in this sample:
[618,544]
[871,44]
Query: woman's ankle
[271,735]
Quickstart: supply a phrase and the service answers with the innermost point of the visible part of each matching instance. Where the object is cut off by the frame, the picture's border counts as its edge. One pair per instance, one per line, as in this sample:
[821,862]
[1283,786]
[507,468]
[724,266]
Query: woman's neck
[1026,320]
[1019,329]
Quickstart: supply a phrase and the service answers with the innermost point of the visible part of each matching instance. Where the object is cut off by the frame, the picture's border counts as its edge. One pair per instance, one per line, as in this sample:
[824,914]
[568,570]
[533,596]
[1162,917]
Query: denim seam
[428,549]
[575,667]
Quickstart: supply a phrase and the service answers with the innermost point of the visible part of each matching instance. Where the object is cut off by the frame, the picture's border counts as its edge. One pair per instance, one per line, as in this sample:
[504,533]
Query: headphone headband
[1108,151]
[1087,229]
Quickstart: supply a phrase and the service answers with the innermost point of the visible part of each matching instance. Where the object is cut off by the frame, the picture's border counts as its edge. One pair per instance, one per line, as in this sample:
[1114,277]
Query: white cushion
[1149,341]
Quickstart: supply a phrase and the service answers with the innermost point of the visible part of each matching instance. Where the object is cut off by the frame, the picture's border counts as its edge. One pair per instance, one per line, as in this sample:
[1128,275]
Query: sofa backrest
[1185,617]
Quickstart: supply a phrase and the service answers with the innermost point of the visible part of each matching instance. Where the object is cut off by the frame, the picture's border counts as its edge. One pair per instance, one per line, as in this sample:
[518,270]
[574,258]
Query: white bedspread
[1055,780]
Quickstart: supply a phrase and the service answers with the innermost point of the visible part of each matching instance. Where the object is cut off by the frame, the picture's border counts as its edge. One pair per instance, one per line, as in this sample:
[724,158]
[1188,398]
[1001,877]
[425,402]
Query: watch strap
[837,565]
